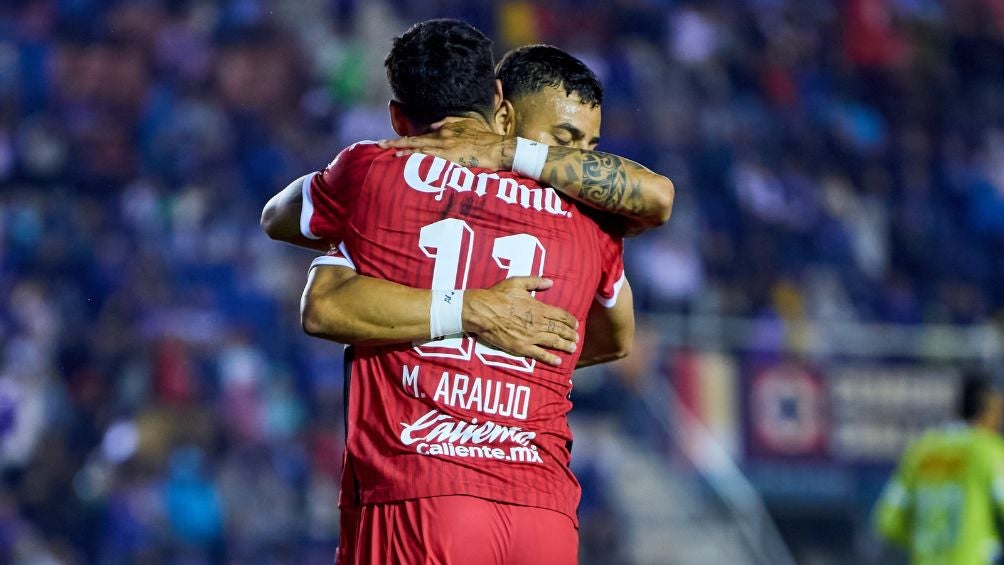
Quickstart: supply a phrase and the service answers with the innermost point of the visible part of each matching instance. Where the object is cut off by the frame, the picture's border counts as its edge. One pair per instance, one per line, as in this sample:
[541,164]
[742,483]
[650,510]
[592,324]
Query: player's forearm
[892,512]
[343,306]
[588,358]
[608,182]
[280,218]
[365,311]
[609,331]
[598,348]
[598,179]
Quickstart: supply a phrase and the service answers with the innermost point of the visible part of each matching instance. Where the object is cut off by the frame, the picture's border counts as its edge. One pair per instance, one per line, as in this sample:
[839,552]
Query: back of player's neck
[426,128]
[474,116]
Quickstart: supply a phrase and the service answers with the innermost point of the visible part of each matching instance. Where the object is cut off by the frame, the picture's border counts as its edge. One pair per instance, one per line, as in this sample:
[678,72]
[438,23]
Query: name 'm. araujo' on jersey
[453,416]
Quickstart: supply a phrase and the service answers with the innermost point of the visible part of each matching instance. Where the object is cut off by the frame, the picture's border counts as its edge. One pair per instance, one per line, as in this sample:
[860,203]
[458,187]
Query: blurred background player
[946,500]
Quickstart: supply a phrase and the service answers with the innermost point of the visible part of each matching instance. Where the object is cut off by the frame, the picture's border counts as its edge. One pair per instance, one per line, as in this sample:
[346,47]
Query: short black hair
[976,386]
[531,68]
[441,68]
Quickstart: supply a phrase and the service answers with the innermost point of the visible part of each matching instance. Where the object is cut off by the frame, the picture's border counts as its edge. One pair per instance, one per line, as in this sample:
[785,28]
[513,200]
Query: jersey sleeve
[612,276]
[894,506]
[329,195]
[996,471]
[337,256]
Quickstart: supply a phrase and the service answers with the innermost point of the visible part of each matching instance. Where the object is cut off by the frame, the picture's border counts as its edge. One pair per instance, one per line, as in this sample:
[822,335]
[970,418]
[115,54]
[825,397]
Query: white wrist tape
[445,313]
[529,158]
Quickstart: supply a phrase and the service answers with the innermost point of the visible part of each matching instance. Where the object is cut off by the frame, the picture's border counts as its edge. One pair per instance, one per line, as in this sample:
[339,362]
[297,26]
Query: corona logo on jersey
[440,175]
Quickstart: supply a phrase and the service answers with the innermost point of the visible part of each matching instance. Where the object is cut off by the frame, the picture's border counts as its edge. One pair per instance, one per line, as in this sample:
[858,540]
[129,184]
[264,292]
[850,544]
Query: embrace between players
[439,245]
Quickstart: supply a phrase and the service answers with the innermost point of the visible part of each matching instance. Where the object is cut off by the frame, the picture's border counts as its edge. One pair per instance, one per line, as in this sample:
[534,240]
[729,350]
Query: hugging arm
[611,183]
[609,331]
[342,305]
[601,180]
[280,219]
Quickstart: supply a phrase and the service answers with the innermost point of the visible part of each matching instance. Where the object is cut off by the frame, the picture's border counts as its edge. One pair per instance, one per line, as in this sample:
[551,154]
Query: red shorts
[456,530]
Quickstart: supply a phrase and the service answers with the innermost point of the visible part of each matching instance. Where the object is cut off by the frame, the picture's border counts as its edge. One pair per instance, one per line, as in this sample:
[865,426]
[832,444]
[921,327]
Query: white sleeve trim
[363,142]
[307,208]
[344,261]
[612,301]
[896,495]
[998,489]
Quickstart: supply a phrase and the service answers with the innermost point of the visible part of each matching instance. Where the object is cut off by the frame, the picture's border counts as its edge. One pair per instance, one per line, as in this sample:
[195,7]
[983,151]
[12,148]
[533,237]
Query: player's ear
[505,118]
[398,119]
[498,93]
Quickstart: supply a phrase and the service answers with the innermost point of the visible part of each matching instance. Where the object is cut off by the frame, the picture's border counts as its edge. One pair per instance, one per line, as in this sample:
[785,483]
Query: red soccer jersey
[454,416]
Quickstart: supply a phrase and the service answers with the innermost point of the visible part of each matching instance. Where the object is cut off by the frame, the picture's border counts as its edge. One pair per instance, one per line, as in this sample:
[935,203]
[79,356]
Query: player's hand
[506,316]
[465,141]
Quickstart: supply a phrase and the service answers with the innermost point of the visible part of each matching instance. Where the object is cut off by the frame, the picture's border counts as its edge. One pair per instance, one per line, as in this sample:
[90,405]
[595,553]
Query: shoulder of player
[928,440]
[951,437]
[358,151]
[988,440]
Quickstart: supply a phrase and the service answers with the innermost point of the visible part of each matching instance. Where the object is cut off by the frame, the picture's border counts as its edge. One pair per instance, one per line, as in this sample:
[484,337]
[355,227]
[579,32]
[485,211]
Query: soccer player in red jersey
[461,418]
[553,98]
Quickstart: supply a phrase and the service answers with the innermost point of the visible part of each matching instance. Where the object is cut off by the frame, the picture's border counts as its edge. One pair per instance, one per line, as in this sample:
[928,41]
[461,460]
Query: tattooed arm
[610,183]
[601,180]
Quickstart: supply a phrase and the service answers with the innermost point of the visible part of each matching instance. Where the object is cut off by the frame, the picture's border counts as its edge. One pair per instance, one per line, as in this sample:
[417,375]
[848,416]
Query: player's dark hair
[531,68]
[973,397]
[441,68]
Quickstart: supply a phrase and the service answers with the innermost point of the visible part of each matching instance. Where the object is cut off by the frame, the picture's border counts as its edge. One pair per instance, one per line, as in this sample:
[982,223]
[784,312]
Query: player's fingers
[417,142]
[392,143]
[543,356]
[530,283]
[562,316]
[554,318]
[561,330]
[449,119]
[553,341]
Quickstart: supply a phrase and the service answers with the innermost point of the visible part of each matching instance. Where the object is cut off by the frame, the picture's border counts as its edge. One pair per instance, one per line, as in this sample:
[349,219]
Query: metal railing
[713,463]
[846,338]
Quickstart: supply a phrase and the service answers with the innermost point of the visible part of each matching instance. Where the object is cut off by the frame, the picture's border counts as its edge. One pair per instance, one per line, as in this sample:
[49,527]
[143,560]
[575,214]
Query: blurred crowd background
[835,163]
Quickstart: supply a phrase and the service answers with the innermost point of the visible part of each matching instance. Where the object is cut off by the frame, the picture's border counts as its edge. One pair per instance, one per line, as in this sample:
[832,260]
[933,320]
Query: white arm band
[445,313]
[529,158]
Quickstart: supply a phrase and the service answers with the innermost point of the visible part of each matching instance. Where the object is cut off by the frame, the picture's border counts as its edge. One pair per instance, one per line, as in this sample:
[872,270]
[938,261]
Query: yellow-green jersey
[943,501]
